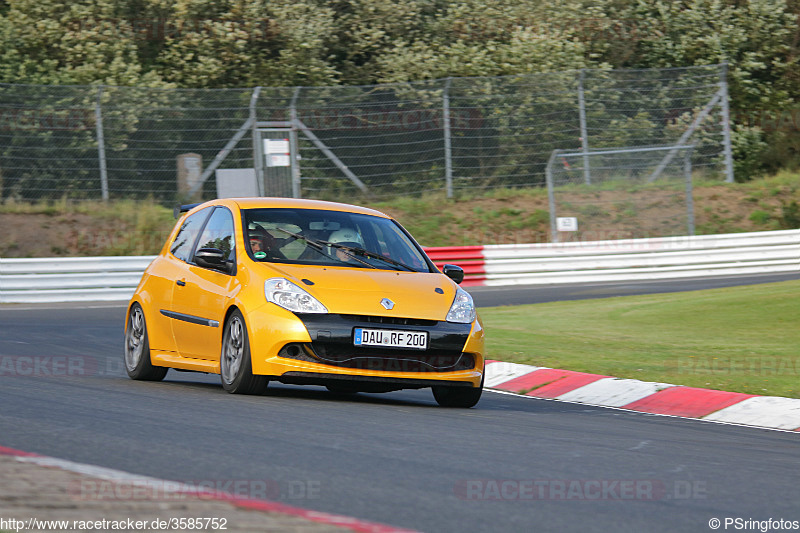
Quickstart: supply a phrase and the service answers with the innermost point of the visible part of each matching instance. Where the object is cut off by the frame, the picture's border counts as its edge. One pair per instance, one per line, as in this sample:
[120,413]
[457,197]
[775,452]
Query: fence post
[587,173]
[687,171]
[448,149]
[295,148]
[258,148]
[686,136]
[101,144]
[551,196]
[726,123]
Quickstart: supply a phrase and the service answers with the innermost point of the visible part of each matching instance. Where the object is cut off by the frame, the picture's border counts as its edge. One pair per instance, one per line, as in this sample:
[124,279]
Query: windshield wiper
[372,255]
[317,245]
[349,250]
[320,245]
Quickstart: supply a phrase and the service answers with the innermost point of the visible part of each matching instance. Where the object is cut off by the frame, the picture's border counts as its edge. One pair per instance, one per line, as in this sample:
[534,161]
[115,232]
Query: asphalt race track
[519,295]
[510,464]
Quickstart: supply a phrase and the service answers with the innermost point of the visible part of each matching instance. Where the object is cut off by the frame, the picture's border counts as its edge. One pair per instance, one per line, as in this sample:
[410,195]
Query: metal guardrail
[70,279]
[645,259]
[115,278]
[628,259]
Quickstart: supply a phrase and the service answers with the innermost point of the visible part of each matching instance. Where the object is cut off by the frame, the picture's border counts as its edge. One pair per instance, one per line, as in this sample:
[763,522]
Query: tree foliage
[244,43]
[224,43]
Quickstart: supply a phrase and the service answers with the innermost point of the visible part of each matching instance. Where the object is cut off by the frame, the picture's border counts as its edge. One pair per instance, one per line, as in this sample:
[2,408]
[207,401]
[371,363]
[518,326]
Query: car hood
[359,291]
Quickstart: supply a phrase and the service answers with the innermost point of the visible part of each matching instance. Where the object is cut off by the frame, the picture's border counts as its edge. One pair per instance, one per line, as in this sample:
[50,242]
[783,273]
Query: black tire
[235,366]
[462,397]
[137,349]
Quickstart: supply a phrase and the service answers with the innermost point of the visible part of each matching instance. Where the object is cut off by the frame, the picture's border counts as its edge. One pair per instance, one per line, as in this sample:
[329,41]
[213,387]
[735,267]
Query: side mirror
[456,273]
[211,258]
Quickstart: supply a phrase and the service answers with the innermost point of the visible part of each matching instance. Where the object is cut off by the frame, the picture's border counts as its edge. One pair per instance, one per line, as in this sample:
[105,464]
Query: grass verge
[741,339]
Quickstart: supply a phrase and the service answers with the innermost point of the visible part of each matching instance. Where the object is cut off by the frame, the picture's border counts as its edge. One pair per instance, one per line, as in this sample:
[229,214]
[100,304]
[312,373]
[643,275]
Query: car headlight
[286,294]
[463,309]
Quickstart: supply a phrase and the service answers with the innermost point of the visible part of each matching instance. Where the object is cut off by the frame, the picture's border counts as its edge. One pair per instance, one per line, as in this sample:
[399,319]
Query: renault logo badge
[387,303]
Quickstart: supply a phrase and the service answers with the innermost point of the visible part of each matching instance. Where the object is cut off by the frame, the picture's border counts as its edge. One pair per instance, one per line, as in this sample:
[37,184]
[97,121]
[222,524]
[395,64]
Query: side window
[218,233]
[184,240]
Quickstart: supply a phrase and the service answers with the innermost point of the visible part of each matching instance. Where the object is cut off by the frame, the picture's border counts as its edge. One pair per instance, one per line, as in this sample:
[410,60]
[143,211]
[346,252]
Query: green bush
[760,217]
[749,149]
[790,215]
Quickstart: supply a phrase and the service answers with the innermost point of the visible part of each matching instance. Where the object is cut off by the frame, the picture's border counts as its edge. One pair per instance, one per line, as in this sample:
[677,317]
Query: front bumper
[327,352]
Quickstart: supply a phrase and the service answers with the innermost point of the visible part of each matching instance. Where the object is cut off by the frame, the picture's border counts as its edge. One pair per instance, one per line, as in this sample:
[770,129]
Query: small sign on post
[277,152]
[566,224]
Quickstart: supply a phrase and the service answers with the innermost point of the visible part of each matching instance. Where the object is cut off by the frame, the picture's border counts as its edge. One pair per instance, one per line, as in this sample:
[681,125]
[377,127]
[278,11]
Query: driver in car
[345,237]
[261,242]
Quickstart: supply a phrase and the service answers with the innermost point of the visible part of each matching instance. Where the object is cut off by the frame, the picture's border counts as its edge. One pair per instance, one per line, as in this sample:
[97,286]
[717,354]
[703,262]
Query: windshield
[330,238]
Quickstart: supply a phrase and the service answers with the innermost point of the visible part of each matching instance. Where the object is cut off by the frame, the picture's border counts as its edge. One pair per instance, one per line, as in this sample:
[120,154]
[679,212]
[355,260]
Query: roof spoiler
[180,209]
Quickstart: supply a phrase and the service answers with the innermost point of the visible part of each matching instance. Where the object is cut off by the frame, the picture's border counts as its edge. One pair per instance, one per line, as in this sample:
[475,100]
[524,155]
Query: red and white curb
[647,397]
[118,476]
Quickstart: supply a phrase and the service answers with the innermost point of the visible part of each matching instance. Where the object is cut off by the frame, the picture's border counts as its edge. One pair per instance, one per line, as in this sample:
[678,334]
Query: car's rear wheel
[457,396]
[236,369]
[137,349]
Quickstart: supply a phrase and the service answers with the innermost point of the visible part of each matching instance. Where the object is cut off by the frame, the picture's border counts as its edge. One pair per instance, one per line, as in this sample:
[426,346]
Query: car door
[200,295]
[164,272]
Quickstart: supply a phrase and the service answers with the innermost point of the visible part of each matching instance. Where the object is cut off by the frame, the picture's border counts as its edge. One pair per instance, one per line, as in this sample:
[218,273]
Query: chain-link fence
[632,192]
[452,135]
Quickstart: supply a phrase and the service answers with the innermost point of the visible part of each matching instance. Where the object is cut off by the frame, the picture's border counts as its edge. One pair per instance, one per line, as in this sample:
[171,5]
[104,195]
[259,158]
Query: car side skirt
[173,360]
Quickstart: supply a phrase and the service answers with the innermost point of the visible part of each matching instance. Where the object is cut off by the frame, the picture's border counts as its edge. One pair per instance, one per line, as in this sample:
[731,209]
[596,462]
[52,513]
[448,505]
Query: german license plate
[391,338]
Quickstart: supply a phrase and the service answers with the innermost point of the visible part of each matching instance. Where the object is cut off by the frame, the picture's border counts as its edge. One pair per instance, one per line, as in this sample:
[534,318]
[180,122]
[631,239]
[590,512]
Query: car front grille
[378,359]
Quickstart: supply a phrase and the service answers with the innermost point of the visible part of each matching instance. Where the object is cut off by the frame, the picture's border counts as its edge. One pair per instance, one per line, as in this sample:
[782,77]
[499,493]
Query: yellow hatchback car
[304,292]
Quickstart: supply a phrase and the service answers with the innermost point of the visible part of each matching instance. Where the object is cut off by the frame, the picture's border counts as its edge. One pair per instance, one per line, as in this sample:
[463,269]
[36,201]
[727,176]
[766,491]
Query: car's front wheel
[236,369]
[457,396]
[137,349]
